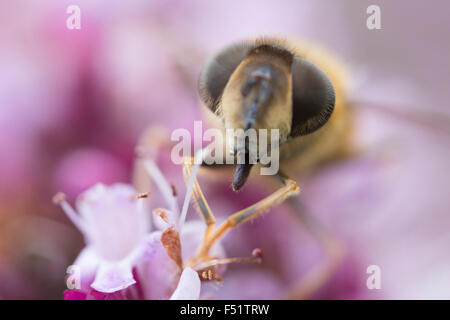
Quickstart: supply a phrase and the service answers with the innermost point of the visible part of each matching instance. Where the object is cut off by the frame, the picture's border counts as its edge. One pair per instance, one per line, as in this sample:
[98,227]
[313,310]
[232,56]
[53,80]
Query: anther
[258,255]
[143,195]
[59,198]
[174,189]
[209,275]
[162,214]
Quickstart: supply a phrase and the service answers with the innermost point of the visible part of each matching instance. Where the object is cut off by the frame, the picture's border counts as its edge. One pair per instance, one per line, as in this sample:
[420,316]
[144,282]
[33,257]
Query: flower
[120,249]
[122,258]
[156,274]
[114,224]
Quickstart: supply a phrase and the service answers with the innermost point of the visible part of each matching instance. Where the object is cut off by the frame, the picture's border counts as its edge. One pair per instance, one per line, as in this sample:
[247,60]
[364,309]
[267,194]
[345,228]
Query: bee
[275,84]
[299,89]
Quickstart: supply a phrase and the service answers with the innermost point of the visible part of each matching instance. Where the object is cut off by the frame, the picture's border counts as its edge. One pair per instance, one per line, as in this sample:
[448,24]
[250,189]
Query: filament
[162,184]
[60,199]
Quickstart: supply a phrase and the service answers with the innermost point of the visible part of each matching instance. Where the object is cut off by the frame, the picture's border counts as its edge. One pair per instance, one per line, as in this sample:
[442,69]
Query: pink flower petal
[157,273]
[112,277]
[75,295]
[188,287]
[192,235]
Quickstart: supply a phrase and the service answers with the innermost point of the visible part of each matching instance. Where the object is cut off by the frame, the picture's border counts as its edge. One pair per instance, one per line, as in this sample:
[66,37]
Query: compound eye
[313,97]
[217,71]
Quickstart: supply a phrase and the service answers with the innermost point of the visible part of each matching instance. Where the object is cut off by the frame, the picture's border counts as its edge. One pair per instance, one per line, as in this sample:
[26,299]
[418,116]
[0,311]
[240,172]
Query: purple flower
[114,224]
[122,258]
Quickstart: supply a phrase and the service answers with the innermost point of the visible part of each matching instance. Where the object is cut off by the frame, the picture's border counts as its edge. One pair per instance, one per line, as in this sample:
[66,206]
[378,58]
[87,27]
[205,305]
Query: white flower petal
[113,277]
[157,273]
[116,220]
[188,287]
[88,262]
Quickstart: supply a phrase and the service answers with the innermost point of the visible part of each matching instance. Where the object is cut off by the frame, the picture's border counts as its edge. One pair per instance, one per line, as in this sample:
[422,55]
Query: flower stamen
[161,184]
[174,189]
[60,199]
[162,214]
[143,195]
[209,275]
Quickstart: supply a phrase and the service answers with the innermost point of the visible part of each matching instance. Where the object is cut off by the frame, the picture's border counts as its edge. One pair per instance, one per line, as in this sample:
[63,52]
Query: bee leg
[200,203]
[290,188]
[317,276]
[202,260]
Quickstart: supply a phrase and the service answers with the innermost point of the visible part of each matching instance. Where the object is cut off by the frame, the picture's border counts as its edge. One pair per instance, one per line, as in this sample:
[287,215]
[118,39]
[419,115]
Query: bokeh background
[73,104]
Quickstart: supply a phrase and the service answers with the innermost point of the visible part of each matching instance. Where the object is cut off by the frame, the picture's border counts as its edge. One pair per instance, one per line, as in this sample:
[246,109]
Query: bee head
[258,94]
[263,85]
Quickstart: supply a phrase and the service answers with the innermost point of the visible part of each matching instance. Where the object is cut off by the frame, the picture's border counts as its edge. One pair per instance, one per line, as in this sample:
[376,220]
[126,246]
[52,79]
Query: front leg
[289,189]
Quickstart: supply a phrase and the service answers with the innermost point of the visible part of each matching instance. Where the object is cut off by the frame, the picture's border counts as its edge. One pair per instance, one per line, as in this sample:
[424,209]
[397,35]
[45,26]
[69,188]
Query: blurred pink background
[73,104]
